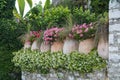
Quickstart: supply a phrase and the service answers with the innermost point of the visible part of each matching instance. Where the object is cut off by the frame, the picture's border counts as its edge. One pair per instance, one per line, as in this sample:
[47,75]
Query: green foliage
[29,3]
[9,32]
[56,16]
[99,6]
[8,41]
[102,28]
[71,4]
[43,62]
[21,5]
[47,4]
[6,6]
[35,18]
[81,16]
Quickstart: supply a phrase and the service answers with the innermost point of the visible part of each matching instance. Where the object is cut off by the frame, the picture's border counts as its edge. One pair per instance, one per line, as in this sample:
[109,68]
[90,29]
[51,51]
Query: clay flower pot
[57,46]
[70,45]
[35,45]
[103,48]
[86,46]
[27,44]
[45,47]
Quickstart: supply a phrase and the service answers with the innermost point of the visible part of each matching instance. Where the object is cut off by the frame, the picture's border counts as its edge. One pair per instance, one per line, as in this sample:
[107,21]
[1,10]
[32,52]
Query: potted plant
[70,44]
[101,36]
[34,36]
[51,36]
[25,39]
[84,33]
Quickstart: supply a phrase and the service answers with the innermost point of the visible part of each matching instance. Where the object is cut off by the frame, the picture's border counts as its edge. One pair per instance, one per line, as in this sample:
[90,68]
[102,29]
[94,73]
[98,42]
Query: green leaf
[47,4]
[30,3]
[21,5]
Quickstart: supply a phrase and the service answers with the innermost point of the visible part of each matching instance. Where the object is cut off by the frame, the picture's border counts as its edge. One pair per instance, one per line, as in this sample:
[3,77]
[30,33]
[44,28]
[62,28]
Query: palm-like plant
[21,5]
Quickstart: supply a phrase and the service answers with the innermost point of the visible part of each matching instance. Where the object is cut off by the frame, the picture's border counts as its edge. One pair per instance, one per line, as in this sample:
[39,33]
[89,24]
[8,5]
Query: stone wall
[97,75]
[114,40]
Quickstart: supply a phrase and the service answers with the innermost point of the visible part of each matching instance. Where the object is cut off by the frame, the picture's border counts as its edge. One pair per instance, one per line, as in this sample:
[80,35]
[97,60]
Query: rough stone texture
[57,46]
[45,47]
[70,45]
[86,46]
[114,40]
[97,75]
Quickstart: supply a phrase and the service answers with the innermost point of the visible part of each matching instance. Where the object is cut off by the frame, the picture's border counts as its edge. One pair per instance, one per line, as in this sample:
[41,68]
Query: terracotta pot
[103,48]
[35,45]
[27,44]
[45,47]
[57,46]
[70,45]
[86,46]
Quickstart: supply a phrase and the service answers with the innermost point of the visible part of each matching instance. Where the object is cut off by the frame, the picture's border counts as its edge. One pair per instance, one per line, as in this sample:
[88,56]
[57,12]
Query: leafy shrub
[42,62]
[56,16]
[99,6]
[6,6]
[35,18]
[9,43]
[83,16]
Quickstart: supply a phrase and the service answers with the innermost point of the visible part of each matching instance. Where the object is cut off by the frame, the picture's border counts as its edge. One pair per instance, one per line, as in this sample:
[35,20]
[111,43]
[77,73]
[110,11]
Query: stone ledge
[97,75]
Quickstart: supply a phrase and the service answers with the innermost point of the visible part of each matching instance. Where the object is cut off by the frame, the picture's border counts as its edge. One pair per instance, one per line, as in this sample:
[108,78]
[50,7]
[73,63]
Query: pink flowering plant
[29,37]
[81,32]
[52,34]
[34,35]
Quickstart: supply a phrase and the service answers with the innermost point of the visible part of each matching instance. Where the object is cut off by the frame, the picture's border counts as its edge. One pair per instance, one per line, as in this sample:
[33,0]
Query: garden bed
[38,65]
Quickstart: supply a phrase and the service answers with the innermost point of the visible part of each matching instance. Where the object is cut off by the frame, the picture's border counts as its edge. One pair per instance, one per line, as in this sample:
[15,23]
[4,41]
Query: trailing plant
[43,62]
[52,34]
[56,16]
[83,16]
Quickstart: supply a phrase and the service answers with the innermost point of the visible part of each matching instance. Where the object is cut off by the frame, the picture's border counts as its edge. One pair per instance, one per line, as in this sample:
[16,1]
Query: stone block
[115,27]
[71,77]
[111,38]
[114,13]
[114,58]
[112,49]
[52,79]
[53,75]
